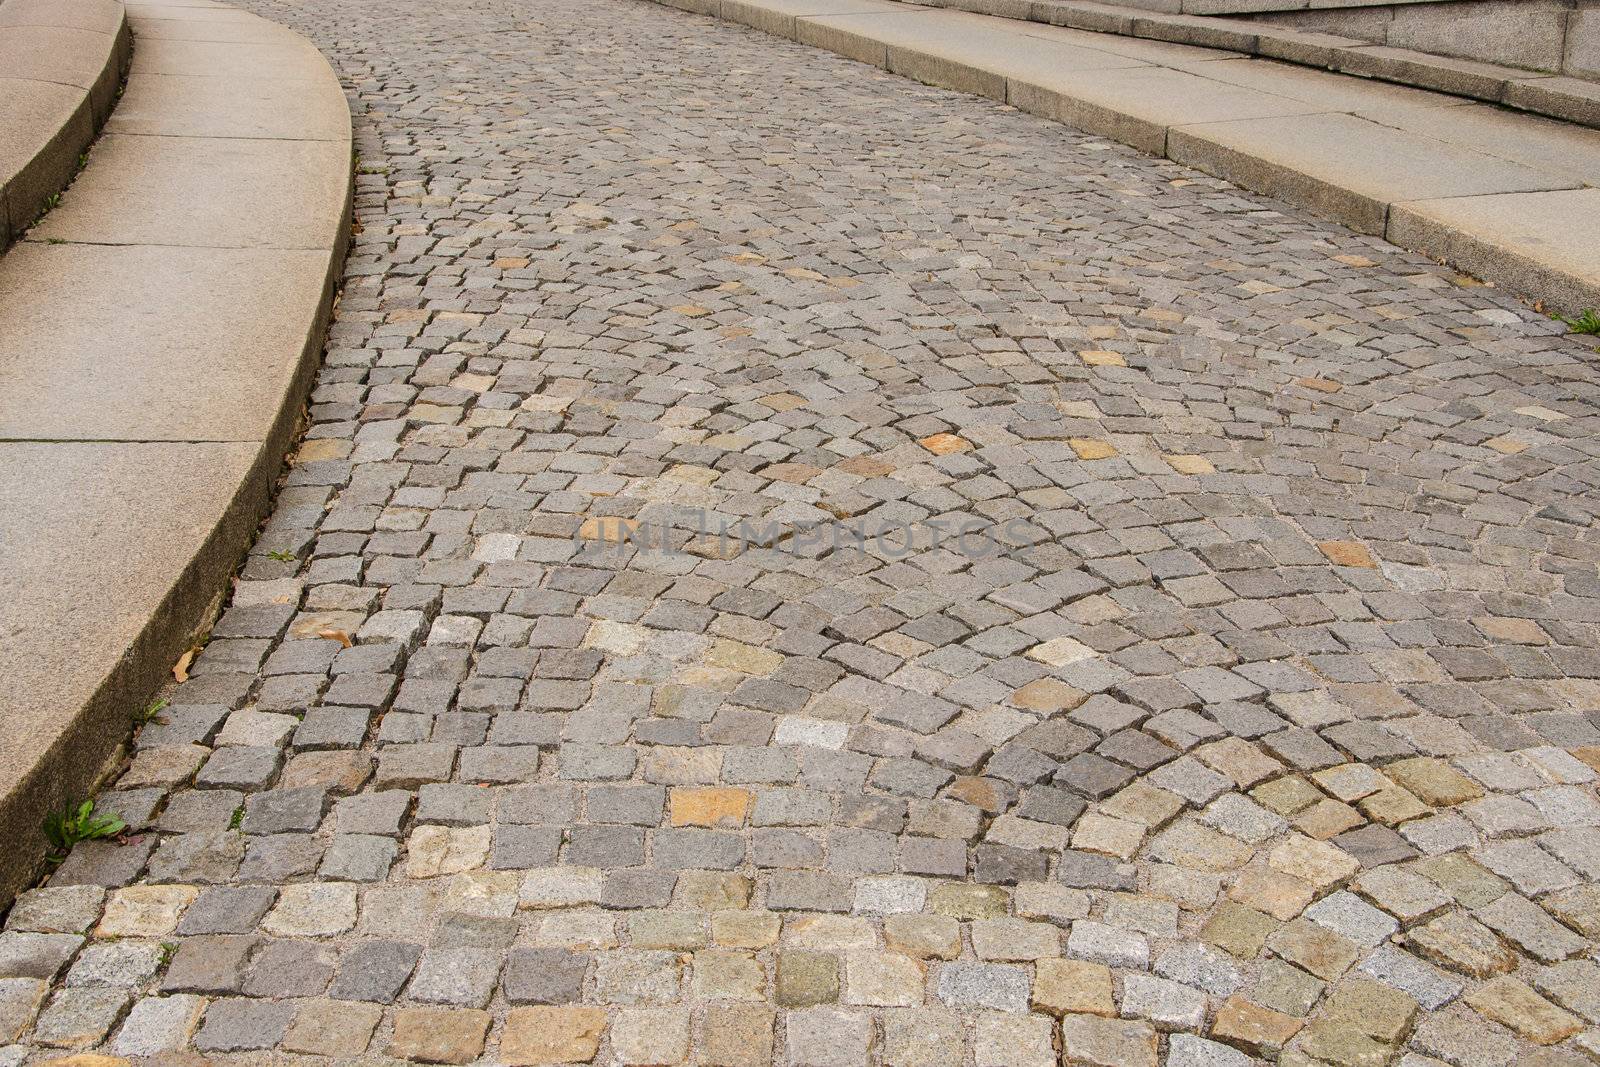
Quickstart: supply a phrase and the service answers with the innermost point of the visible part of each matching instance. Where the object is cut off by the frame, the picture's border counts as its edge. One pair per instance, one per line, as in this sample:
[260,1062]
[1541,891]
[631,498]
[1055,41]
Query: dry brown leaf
[336,635]
[180,669]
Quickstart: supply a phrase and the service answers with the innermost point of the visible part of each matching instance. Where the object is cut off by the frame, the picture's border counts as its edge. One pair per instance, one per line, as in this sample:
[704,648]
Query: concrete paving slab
[212,192]
[145,6]
[192,12]
[1347,168]
[1145,51]
[289,62]
[98,16]
[985,63]
[156,343]
[1138,106]
[954,51]
[1158,52]
[1539,243]
[109,540]
[186,106]
[1558,147]
[778,16]
[57,54]
[1152,51]
[1334,92]
[227,30]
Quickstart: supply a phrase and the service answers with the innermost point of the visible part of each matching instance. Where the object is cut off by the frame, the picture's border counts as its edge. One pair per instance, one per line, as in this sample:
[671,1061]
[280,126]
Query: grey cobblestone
[1274,704]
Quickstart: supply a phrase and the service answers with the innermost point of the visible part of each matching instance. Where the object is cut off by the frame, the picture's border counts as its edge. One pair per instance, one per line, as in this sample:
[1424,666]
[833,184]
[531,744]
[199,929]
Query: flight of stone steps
[1555,36]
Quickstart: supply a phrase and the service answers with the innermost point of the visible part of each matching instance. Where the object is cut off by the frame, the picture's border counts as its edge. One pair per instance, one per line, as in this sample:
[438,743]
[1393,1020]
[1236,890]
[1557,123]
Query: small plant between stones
[51,202]
[64,829]
[1584,322]
[151,712]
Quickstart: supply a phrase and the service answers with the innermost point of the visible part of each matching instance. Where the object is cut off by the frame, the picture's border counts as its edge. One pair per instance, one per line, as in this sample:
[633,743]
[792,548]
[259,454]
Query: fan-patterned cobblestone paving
[1251,717]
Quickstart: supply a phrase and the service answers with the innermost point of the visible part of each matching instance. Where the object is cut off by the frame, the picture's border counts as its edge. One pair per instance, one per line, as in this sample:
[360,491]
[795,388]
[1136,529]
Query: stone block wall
[1556,36]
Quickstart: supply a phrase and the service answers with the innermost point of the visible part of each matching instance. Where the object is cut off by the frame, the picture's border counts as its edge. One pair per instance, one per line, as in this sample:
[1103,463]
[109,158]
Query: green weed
[1583,322]
[66,828]
[148,715]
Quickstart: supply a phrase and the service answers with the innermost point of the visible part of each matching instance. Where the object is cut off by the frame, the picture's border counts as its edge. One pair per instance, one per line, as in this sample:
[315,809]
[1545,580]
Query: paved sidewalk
[1255,716]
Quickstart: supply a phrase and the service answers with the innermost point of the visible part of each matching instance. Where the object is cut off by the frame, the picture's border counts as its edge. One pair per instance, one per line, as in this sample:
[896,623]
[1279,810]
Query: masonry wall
[1556,36]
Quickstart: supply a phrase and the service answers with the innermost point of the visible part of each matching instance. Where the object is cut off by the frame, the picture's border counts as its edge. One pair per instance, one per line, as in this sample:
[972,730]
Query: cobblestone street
[1254,717]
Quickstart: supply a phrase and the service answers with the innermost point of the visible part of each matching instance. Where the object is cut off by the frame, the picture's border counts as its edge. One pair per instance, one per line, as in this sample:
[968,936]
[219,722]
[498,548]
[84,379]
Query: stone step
[1244,7]
[158,333]
[59,69]
[1559,96]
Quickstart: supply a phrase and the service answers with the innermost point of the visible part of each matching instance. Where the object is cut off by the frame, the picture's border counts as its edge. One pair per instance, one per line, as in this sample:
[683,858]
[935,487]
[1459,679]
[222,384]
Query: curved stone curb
[59,70]
[158,336]
[1395,162]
